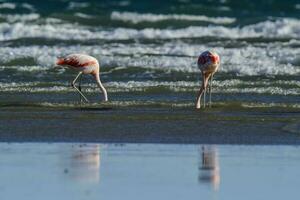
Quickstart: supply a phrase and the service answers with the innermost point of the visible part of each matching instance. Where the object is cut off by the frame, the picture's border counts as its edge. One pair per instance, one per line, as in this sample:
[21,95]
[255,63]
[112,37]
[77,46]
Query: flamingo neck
[97,76]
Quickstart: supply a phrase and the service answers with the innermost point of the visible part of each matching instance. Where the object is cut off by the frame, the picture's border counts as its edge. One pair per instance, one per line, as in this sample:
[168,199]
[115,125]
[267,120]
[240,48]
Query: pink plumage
[85,64]
[208,63]
[208,57]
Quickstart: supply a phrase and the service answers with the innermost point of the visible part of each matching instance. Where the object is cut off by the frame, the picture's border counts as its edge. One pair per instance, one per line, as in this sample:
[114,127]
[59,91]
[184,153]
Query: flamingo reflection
[83,164]
[209,169]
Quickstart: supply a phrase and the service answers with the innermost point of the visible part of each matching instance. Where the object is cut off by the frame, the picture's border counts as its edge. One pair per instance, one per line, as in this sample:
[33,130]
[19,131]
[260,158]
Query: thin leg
[207,76]
[204,98]
[202,90]
[210,89]
[198,100]
[73,85]
[79,87]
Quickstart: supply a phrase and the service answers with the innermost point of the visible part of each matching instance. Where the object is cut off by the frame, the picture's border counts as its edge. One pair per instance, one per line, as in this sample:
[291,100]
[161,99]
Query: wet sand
[219,125]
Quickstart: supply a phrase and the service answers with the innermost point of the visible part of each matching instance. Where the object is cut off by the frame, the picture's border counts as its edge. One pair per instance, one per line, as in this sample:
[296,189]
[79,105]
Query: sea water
[148,50]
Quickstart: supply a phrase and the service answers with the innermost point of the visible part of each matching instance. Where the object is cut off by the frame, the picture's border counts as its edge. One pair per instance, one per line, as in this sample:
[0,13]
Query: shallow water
[148,51]
[132,171]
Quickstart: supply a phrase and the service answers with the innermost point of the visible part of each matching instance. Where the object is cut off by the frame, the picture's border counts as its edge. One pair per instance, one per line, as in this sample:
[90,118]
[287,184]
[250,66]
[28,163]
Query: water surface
[148,50]
[133,171]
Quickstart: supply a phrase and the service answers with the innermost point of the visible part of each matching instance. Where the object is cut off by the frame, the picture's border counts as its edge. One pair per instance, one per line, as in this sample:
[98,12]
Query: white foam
[124,3]
[282,28]
[25,68]
[169,57]
[28,6]
[7,6]
[270,105]
[76,5]
[82,15]
[13,6]
[50,20]
[279,28]
[227,86]
[20,18]
[258,61]
[20,30]
[220,87]
[136,18]
[232,85]
[224,8]
[262,90]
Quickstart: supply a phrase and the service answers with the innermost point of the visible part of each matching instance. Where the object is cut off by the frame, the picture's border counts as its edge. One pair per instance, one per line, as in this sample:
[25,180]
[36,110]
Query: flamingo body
[85,64]
[208,63]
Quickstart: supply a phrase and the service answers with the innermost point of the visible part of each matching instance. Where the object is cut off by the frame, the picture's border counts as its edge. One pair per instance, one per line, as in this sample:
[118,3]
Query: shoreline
[150,125]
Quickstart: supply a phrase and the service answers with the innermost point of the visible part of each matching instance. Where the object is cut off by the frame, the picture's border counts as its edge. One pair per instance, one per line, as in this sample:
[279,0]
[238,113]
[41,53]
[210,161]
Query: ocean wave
[82,15]
[25,68]
[136,18]
[13,6]
[152,103]
[20,17]
[270,105]
[221,84]
[7,5]
[282,28]
[78,5]
[219,87]
[104,105]
[285,28]
[28,6]
[248,61]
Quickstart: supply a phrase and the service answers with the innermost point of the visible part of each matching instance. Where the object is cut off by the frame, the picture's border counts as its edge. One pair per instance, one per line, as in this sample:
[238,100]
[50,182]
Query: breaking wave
[136,18]
[281,28]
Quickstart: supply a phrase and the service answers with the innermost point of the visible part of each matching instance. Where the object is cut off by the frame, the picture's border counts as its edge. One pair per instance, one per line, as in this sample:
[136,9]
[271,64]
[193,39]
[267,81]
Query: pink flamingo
[208,63]
[85,64]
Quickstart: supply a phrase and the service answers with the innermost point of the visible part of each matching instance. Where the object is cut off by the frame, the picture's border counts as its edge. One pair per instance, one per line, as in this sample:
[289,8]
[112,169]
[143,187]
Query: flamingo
[85,64]
[208,63]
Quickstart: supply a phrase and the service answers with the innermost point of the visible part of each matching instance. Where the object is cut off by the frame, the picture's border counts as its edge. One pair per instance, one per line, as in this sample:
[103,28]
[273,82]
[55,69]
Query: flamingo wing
[77,60]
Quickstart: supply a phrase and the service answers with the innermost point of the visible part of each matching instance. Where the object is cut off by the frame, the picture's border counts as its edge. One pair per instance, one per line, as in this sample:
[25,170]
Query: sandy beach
[218,125]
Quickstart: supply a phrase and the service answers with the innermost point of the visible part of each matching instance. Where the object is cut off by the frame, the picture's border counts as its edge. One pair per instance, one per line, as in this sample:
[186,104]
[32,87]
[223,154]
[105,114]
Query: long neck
[97,77]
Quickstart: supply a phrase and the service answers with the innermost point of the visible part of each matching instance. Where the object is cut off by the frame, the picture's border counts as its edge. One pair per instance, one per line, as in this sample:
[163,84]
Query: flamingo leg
[210,89]
[73,85]
[205,83]
[79,87]
[199,95]
[204,98]
[202,90]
